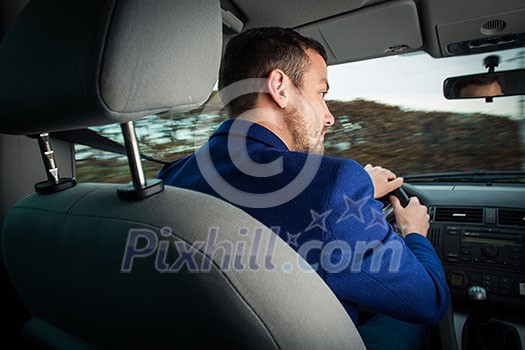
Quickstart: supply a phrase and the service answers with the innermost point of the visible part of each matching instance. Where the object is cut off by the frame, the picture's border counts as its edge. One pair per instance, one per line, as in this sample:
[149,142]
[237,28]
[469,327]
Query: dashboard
[478,231]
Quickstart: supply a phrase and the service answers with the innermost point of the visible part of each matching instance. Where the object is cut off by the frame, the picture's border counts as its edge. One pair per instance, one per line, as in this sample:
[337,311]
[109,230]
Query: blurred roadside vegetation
[406,141]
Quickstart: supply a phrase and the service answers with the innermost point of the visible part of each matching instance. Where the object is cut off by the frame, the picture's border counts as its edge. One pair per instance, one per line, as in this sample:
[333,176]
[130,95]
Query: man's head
[482,86]
[256,52]
[295,70]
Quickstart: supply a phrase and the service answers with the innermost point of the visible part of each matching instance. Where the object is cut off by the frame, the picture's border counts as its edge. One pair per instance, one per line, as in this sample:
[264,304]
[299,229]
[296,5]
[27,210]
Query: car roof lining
[432,13]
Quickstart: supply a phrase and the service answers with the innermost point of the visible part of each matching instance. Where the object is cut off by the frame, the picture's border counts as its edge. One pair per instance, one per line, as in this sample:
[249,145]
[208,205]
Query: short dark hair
[480,80]
[256,52]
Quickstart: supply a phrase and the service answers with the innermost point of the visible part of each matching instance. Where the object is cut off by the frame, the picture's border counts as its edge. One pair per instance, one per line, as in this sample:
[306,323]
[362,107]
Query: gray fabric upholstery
[64,255]
[73,64]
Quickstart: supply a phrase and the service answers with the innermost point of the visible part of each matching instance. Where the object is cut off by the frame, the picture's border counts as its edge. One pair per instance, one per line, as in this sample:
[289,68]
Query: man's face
[485,90]
[310,116]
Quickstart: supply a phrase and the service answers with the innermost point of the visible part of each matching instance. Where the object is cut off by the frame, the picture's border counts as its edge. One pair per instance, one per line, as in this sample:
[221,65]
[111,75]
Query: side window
[163,137]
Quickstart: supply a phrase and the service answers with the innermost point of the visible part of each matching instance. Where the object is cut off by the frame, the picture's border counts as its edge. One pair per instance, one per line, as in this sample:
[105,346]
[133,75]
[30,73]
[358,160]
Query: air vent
[514,217]
[474,215]
[434,235]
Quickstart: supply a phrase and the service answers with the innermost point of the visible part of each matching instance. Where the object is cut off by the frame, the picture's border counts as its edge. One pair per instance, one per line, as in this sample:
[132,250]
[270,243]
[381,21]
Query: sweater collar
[256,132]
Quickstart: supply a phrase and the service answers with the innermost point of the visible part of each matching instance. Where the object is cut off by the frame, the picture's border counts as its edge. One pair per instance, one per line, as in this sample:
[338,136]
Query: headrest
[73,64]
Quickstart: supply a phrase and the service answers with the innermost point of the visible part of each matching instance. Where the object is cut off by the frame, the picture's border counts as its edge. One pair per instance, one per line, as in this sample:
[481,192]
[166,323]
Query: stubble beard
[304,138]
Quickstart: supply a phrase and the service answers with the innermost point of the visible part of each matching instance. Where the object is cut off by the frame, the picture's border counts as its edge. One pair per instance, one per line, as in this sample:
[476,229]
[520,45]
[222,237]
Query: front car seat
[102,265]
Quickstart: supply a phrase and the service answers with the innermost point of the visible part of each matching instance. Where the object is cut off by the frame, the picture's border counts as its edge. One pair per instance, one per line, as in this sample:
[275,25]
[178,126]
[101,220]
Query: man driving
[268,160]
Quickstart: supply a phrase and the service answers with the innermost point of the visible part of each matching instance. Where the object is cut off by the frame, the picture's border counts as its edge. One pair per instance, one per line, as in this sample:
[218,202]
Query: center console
[487,255]
[480,247]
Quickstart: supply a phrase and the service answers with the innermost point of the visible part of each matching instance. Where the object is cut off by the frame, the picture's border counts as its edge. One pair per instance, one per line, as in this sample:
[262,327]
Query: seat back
[176,268]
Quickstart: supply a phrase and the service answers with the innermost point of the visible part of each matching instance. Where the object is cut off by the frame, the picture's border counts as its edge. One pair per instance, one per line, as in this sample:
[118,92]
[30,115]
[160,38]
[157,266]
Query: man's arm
[402,278]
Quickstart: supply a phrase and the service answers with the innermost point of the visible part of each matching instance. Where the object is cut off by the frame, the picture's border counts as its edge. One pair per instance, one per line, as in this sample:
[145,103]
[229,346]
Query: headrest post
[139,188]
[133,152]
[48,156]
[54,183]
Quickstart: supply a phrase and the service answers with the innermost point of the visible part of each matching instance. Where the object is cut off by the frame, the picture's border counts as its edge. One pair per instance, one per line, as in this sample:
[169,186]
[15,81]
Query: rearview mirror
[487,85]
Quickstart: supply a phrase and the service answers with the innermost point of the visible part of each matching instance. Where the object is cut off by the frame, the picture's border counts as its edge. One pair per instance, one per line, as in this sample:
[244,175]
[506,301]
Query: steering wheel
[388,209]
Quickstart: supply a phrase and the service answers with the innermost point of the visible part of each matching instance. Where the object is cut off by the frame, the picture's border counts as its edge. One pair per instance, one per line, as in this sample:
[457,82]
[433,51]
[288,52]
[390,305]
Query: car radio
[491,257]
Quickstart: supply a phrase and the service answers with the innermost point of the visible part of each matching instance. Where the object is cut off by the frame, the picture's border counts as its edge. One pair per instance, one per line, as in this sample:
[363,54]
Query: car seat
[124,266]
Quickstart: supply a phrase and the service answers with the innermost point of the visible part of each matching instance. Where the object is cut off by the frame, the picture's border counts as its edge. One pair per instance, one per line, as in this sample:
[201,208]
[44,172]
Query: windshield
[389,111]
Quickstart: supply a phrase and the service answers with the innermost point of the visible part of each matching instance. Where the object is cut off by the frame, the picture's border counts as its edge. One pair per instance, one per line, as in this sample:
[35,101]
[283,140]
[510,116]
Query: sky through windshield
[414,81]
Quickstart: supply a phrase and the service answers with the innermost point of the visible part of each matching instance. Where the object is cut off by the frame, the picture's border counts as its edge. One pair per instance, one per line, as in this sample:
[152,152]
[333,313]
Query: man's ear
[277,87]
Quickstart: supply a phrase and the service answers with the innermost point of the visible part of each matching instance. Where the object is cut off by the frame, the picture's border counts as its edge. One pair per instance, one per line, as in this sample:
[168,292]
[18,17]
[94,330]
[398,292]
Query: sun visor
[384,29]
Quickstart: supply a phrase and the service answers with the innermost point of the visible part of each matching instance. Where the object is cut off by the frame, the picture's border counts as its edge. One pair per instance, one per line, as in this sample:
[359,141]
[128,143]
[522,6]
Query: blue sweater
[323,207]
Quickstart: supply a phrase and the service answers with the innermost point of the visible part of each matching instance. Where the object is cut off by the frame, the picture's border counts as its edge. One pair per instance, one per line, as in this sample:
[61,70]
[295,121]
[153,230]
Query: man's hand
[411,219]
[383,179]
